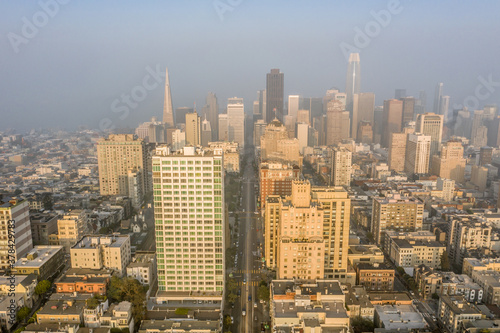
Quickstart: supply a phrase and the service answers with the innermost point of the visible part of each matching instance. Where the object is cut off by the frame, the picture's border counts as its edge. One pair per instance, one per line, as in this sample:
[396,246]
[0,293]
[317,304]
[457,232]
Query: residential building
[276,179]
[231,152]
[274,132]
[451,163]
[42,225]
[97,252]
[489,281]
[399,318]
[410,253]
[17,210]
[118,316]
[86,284]
[143,267]
[71,227]
[375,277]
[341,167]
[365,254]
[43,260]
[453,310]
[417,153]
[236,120]
[21,288]
[67,311]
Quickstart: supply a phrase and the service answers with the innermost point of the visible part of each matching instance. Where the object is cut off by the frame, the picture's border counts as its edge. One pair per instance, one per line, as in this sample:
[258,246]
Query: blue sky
[91,52]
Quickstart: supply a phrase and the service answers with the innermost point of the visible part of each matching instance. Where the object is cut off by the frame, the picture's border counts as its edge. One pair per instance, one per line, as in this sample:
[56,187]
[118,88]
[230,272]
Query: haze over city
[79,61]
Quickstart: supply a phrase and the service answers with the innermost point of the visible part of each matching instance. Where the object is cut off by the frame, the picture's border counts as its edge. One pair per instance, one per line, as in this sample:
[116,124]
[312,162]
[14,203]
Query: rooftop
[186,325]
[38,256]
[95,241]
[400,317]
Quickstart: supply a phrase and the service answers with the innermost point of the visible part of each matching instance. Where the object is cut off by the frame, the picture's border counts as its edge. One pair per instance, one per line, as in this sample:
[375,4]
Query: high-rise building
[274,132]
[408,110]
[447,186]
[210,112]
[417,153]
[274,95]
[421,103]
[363,107]
[437,98]
[313,223]
[395,213]
[378,124]
[365,132]
[431,124]
[479,132]
[485,155]
[392,119]
[152,131]
[71,227]
[178,139]
[18,238]
[118,154]
[193,129]
[276,179]
[180,115]
[397,151]
[303,136]
[185,269]
[223,127]
[479,177]
[293,105]
[303,116]
[337,127]
[314,105]
[353,80]
[168,109]
[399,93]
[236,120]
[451,163]
[262,95]
[259,128]
[341,167]
[290,124]
[206,133]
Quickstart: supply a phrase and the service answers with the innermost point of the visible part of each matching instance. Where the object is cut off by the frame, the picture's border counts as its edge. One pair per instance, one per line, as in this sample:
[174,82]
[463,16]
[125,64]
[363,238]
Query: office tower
[259,128]
[71,227]
[378,124]
[255,109]
[178,139]
[263,104]
[210,112]
[393,116]
[135,187]
[274,95]
[276,179]
[451,163]
[408,110]
[152,131]
[168,109]
[397,151]
[193,129]
[193,263]
[417,153]
[18,238]
[206,133]
[447,186]
[274,132]
[363,110]
[303,116]
[326,211]
[293,105]
[314,105]
[319,124]
[353,80]
[479,177]
[236,120]
[437,98]
[337,127]
[302,136]
[364,132]
[493,127]
[98,252]
[341,167]
[118,154]
[180,114]
[431,124]
[421,103]
[479,132]
[463,124]
[395,213]
[223,127]
[444,107]
[485,155]
[399,93]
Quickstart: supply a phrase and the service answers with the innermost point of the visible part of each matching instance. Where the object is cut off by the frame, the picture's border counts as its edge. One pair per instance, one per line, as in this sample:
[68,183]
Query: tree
[435,296]
[445,261]
[400,270]
[23,313]
[104,230]
[227,321]
[47,201]
[263,293]
[130,290]
[360,324]
[42,287]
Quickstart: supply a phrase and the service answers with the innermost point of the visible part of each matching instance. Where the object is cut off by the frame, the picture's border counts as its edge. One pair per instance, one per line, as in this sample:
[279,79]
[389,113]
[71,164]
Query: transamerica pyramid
[168,110]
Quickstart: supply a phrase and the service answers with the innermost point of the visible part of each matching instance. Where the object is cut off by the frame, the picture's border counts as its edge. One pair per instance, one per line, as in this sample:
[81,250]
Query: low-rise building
[82,284]
[490,282]
[143,267]
[365,254]
[180,326]
[358,302]
[453,310]
[398,317]
[412,253]
[43,225]
[118,316]
[483,264]
[70,312]
[376,277]
[23,286]
[43,260]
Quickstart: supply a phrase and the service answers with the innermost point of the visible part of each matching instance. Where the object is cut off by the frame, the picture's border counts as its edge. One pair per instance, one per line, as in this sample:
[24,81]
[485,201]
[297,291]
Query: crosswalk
[245,271]
[250,283]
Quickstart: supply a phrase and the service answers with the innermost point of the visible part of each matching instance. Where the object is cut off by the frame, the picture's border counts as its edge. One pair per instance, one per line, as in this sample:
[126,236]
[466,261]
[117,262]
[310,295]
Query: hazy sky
[84,55]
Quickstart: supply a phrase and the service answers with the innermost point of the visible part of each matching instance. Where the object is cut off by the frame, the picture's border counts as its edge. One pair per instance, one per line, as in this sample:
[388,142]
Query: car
[249,298]
[239,292]
[243,312]
[244,281]
[232,320]
[255,304]
[433,317]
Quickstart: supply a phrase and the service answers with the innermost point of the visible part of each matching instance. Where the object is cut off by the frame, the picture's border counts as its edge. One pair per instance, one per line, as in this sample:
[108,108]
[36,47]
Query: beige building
[479,177]
[341,167]
[392,119]
[451,163]
[365,254]
[231,154]
[236,120]
[453,310]
[364,132]
[259,128]
[397,151]
[395,213]
[431,124]
[118,154]
[193,129]
[276,179]
[417,153]
[300,248]
[43,260]
[274,132]
[97,252]
[303,116]
[412,253]
[71,227]
[61,311]
[17,210]
[118,316]
[337,122]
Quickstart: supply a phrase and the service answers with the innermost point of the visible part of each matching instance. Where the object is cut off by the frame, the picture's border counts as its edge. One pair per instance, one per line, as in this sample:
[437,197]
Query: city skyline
[87,81]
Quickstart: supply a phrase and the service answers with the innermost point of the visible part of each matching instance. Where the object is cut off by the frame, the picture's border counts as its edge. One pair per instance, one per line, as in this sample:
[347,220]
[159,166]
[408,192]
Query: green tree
[400,270]
[130,290]
[445,261]
[47,201]
[42,287]
[92,303]
[104,230]
[263,293]
[227,321]
[231,297]
[435,296]
[23,313]
[360,324]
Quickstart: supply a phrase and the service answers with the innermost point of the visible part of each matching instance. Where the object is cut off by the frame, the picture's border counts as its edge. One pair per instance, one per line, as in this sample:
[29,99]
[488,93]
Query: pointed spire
[168,109]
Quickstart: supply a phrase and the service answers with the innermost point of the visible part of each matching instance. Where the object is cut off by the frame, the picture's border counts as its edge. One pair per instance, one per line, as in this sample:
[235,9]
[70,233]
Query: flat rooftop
[88,242]
[186,325]
[400,317]
[311,288]
[290,309]
[38,256]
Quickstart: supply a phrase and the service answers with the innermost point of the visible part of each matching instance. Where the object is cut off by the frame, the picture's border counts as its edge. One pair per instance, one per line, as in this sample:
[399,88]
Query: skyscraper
[223,127]
[431,124]
[353,80]
[337,123]
[206,133]
[451,163]
[363,106]
[341,167]
[168,109]
[408,110]
[210,112]
[192,263]
[399,93]
[193,129]
[274,95]
[180,115]
[437,98]
[393,115]
[417,153]
[293,105]
[236,120]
